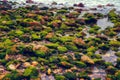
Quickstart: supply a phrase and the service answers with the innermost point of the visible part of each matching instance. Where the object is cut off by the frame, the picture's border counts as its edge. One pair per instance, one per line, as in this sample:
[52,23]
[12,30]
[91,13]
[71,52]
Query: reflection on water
[104,23]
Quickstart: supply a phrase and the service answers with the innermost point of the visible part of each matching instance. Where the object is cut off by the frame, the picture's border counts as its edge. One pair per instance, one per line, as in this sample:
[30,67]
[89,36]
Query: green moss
[62,11]
[112,15]
[2,55]
[65,64]
[35,37]
[25,38]
[64,39]
[118,63]
[43,60]
[60,77]
[92,30]
[62,49]
[71,46]
[14,75]
[43,34]
[53,39]
[28,20]
[115,43]
[40,53]
[80,64]
[91,49]
[31,72]
[70,75]
[52,45]
[64,26]
[112,77]
[19,32]
[83,75]
[117,54]
[117,75]
[54,59]
[104,46]
[4,28]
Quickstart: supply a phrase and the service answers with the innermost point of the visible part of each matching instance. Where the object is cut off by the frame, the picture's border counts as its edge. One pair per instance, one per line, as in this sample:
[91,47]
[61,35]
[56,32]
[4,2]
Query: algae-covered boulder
[40,53]
[118,63]
[80,64]
[52,45]
[83,75]
[117,54]
[117,75]
[64,39]
[54,59]
[65,64]
[4,28]
[60,77]
[70,75]
[114,43]
[62,11]
[71,46]
[104,47]
[14,75]
[36,37]
[31,72]
[62,49]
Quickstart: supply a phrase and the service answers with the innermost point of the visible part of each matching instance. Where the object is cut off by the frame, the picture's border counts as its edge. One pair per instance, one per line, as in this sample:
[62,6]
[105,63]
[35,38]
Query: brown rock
[49,35]
[79,41]
[34,63]
[85,58]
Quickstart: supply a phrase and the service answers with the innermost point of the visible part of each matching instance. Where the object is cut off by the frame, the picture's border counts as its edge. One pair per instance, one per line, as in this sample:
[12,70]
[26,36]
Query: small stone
[26,64]
[12,67]
[49,71]
[34,63]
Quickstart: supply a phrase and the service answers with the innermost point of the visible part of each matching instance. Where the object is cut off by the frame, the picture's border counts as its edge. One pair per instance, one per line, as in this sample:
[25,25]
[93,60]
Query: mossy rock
[54,59]
[43,60]
[71,46]
[4,28]
[83,75]
[62,11]
[35,37]
[117,75]
[62,49]
[64,39]
[65,64]
[31,72]
[14,75]
[80,64]
[40,53]
[117,54]
[60,77]
[114,43]
[52,45]
[104,47]
[70,75]
[19,32]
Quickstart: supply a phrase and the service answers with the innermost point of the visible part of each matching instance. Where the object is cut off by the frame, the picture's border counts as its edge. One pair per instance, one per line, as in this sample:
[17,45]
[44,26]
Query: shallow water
[104,23]
[86,2]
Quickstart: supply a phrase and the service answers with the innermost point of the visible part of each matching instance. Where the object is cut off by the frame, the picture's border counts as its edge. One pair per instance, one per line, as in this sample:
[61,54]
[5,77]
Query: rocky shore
[59,42]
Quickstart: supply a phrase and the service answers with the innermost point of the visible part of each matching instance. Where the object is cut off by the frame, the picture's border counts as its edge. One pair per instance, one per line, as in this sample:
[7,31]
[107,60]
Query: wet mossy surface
[37,42]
